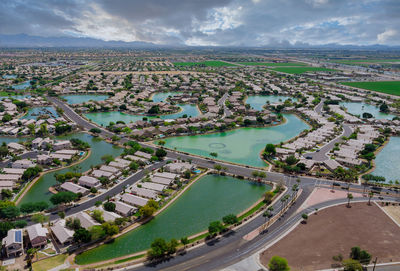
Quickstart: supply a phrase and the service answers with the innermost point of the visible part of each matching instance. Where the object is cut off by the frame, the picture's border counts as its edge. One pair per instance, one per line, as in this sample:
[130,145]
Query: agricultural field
[272,64]
[366,61]
[211,63]
[300,70]
[387,87]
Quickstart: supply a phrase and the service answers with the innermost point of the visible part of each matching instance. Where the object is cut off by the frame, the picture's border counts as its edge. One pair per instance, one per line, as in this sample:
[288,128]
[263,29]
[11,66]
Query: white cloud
[386,35]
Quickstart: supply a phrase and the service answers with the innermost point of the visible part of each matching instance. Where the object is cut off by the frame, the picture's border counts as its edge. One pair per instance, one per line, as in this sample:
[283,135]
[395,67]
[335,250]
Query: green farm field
[210,63]
[271,64]
[365,61]
[387,87]
[299,70]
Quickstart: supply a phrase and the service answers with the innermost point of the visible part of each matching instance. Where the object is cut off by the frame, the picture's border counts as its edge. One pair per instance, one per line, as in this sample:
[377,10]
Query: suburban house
[62,233]
[13,243]
[37,235]
[74,188]
[124,209]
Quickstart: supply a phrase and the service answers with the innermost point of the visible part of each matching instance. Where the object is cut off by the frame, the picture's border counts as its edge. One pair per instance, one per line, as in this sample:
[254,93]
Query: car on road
[308,157]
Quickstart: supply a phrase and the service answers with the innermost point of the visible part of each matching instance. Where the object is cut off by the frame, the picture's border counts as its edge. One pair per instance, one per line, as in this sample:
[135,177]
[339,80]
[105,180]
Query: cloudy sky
[209,22]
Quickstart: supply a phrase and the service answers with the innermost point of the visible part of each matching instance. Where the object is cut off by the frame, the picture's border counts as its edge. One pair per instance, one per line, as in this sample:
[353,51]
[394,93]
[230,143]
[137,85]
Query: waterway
[23,85]
[34,112]
[258,101]
[241,145]
[207,200]
[162,96]
[9,76]
[83,98]
[388,161]
[360,108]
[40,190]
[104,118]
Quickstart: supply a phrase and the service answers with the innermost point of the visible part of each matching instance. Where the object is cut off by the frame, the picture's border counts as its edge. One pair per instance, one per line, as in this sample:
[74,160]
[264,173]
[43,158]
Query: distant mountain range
[23,40]
[27,41]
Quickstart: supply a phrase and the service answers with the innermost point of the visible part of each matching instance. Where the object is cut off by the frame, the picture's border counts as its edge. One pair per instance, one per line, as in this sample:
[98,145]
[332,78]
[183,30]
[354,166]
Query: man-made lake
[360,108]
[84,98]
[162,96]
[104,118]
[23,85]
[34,112]
[9,76]
[258,101]
[40,191]
[388,161]
[209,199]
[242,145]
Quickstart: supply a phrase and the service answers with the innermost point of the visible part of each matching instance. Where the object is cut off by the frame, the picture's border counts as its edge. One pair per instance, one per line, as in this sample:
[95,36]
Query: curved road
[228,250]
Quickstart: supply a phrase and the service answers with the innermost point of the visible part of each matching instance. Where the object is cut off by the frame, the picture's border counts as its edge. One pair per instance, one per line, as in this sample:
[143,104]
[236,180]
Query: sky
[209,22]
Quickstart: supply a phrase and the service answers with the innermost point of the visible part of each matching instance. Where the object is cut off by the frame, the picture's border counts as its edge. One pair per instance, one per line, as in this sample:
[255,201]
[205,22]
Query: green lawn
[211,63]
[285,64]
[388,87]
[299,70]
[49,263]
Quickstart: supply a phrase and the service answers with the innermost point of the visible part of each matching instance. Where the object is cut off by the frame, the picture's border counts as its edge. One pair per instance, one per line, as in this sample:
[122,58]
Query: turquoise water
[23,85]
[360,108]
[162,96]
[104,118]
[83,98]
[19,97]
[388,160]
[34,112]
[207,200]
[242,145]
[258,101]
[9,76]
[40,191]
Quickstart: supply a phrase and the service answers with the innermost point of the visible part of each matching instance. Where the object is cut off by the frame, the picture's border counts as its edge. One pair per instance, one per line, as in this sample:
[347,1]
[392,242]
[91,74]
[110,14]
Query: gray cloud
[209,22]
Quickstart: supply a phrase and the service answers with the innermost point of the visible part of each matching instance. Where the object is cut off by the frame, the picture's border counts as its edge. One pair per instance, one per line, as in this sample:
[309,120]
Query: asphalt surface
[321,155]
[225,251]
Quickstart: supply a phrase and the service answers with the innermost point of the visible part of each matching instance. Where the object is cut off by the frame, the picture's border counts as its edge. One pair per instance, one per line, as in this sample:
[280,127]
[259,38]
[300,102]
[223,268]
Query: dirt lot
[394,212]
[335,230]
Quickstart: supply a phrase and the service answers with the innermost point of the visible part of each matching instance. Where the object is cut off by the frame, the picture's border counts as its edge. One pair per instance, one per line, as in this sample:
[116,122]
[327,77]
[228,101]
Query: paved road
[221,102]
[111,192]
[232,249]
[228,250]
[321,155]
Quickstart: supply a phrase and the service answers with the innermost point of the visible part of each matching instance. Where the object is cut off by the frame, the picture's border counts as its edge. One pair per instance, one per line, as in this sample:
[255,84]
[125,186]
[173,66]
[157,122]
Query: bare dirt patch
[394,212]
[335,230]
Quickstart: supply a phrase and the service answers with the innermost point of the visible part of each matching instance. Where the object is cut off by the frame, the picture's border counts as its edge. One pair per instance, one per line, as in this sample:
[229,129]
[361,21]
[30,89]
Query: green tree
[110,229]
[82,235]
[10,212]
[215,227]
[268,196]
[96,232]
[98,216]
[277,263]
[230,219]
[158,248]
[305,217]
[270,149]
[109,206]
[161,153]
[349,198]
[40,218]
[63,197]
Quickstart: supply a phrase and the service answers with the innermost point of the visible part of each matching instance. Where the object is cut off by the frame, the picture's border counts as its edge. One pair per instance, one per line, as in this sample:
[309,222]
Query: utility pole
[376,260]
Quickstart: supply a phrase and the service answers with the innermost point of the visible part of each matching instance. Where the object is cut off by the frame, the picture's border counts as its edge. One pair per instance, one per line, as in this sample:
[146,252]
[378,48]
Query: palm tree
[349,197]
[370,195]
